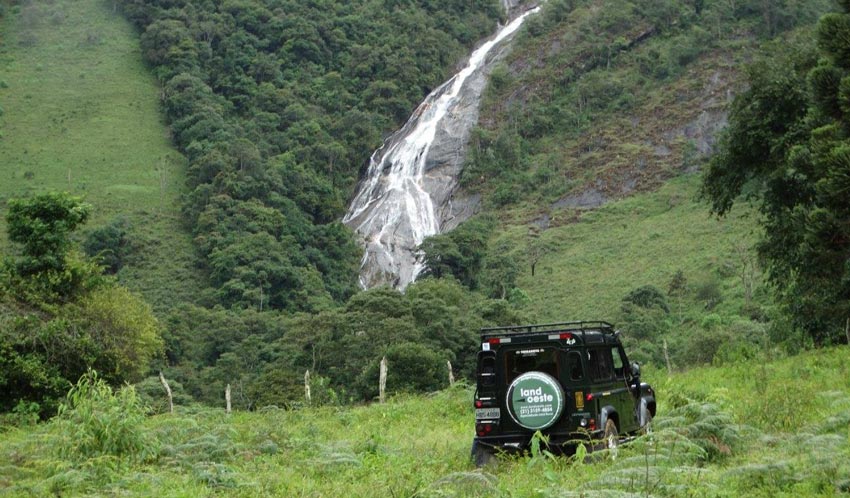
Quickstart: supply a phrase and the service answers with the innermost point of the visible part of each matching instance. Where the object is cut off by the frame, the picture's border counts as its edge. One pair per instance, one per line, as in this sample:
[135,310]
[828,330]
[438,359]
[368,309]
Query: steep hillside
[278,104]
[602,98]
[586,267]
[588,156]
[81,114]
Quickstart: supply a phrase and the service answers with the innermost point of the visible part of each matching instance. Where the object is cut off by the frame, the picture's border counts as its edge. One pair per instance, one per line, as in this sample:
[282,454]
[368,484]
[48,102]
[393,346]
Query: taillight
[566,335]
[589,397]
[484,428]
[478,403]
[592,424]
[494,340]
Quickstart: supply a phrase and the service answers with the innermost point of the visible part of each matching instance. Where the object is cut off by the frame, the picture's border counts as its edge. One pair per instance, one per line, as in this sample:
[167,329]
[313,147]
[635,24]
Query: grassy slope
[637,241]
[419,446]
[81,115]
[643,160]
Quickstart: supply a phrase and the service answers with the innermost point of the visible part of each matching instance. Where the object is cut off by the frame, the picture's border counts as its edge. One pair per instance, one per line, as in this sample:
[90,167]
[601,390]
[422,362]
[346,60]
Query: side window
[619,368]
[574,367]
[600,364]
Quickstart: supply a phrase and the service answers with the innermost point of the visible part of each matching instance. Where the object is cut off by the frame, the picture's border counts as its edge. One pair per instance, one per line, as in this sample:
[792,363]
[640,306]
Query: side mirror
[635,369]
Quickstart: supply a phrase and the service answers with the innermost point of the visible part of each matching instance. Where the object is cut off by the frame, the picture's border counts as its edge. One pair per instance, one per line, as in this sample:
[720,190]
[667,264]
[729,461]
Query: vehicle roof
[584,332]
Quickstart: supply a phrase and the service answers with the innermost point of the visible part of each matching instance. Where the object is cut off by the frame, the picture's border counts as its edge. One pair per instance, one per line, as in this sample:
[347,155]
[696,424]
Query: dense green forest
[607,191]
[277,106]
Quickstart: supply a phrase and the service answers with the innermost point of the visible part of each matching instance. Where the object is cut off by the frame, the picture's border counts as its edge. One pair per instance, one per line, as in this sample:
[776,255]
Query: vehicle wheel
[647,426]
[482,455]
[611,438]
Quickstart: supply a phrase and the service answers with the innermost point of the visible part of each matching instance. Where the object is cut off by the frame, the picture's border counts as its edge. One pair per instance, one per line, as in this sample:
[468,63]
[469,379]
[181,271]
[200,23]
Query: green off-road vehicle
[570,381]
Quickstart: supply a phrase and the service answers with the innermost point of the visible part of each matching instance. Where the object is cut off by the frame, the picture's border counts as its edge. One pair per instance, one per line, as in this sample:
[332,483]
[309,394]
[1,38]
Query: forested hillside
[587,158]
[277,106]
[679,167]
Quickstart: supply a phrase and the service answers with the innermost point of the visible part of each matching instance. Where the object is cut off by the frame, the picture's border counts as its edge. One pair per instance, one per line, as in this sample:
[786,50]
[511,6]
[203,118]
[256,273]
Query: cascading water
[395,206]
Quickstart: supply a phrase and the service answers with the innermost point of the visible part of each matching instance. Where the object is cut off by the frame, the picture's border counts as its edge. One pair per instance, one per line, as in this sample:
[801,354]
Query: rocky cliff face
[409,191]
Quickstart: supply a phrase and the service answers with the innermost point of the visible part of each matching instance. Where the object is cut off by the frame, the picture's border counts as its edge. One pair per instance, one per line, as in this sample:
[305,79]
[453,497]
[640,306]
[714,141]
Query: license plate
[487,413]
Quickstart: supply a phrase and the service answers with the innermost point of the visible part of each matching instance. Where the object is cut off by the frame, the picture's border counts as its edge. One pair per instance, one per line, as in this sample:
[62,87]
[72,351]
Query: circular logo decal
[535,400]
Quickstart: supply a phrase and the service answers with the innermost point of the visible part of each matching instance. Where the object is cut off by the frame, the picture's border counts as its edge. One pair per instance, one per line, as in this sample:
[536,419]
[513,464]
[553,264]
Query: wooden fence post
[307,395]
[227,397]
[667,358]
[451,375]
[168,392]
[847,330]
[382,381]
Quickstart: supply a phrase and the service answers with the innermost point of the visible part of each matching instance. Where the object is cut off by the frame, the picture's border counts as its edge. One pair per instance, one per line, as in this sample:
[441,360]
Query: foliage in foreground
[708,441]
[59,316]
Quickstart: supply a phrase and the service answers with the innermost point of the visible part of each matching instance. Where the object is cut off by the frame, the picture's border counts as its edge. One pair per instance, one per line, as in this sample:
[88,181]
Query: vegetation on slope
[79,114]
[606,97]
[59,316]
[277,104]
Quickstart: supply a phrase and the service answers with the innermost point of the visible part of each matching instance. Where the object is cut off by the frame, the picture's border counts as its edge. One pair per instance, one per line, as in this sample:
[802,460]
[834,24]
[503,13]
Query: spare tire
[535,400]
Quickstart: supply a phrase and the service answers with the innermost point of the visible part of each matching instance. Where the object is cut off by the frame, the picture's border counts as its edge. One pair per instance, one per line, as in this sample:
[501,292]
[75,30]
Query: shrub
[709,293]
[152,394]
[109,243]
[124,327]
[96,421]
[647,297]
[411,368]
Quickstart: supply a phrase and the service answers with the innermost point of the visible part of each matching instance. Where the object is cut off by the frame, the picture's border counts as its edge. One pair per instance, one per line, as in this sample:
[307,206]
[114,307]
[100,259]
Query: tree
[411,368]
[788,147]
[125,330]
[109,244]
[43,225]
[58,316]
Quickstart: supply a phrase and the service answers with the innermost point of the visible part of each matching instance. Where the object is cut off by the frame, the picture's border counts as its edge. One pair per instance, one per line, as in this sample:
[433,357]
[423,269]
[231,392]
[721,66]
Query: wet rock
[408,191]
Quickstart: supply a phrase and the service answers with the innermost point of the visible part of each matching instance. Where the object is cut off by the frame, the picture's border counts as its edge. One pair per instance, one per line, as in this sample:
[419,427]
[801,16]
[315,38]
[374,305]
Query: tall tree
[788,146]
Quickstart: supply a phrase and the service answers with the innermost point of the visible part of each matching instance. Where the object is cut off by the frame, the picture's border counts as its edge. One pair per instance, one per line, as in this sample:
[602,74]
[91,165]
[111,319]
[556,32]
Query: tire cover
[535,400]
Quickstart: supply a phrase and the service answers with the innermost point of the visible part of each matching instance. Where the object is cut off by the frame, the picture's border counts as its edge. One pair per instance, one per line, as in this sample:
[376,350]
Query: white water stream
[393,211]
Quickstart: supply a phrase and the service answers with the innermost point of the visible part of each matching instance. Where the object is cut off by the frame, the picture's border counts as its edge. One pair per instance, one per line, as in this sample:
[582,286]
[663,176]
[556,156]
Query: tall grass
[708,442]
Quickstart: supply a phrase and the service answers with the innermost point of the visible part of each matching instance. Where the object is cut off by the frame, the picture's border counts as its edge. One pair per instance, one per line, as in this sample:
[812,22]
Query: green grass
[80,114]
[712,439]
[601,255]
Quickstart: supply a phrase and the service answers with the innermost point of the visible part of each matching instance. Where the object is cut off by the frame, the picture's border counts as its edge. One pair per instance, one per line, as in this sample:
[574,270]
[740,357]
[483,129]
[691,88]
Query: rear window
[532,359]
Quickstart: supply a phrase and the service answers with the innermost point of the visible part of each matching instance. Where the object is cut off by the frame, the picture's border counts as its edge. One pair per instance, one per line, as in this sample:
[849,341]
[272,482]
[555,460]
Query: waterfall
[394,208]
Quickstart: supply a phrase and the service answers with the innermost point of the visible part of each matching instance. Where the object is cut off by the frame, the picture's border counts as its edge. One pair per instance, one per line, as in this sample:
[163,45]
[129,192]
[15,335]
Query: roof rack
[598,325]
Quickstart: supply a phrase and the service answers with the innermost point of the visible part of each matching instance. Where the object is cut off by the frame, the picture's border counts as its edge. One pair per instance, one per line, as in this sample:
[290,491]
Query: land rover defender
[572,381]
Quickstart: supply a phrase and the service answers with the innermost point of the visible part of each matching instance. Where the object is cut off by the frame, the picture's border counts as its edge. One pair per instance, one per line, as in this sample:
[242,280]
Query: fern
[463,484]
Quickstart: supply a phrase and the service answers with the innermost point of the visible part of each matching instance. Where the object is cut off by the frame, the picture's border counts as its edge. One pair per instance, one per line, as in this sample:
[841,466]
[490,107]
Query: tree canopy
[59,317]
[788,149]
[278,104]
